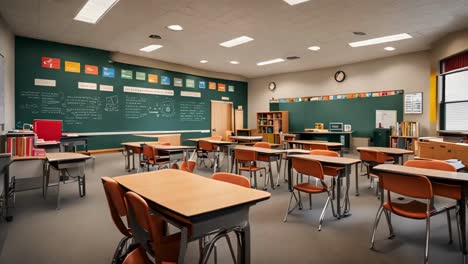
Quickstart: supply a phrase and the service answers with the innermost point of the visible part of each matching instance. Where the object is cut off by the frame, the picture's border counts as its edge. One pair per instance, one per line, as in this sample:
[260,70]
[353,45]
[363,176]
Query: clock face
[272,86]
[340,76]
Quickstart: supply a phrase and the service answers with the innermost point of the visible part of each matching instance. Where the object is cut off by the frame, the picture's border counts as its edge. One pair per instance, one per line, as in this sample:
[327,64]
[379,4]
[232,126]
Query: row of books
[23,146]
[402,143]
[406,129]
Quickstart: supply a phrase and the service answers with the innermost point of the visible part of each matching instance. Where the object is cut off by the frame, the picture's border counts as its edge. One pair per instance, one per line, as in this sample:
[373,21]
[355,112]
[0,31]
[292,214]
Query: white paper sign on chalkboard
[413,103]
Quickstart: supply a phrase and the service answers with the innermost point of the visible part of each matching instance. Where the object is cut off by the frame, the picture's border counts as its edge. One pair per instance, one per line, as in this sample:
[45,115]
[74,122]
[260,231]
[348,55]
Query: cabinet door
[442,151]
[461,153]
[426,150]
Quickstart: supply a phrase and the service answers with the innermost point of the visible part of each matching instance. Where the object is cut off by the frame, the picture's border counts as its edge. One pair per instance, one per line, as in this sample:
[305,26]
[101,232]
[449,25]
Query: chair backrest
[205,145]
[262,145]
[245,155]
[231,178]
[188,166]
[137,256]
[431,164]
[216,137]
[116,200]
[148,152]
[415,186]
[308,167]
[165,143]
[148,230]
[228,135]
[315,146]
[321,152]
[373,156]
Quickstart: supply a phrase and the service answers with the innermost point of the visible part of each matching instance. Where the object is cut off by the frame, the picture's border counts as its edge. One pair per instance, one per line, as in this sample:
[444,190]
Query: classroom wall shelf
[270,124]
[404,135]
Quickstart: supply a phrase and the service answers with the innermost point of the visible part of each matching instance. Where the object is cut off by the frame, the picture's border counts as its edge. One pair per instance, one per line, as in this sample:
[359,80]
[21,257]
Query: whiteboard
[386,118]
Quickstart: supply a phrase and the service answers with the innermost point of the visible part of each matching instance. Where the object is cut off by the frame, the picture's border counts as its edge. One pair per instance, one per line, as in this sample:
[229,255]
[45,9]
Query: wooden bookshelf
[270,124]
[405,135]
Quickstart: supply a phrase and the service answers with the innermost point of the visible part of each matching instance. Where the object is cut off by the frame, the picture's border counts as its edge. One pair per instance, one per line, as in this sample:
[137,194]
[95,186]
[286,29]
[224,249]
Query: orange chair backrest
[231,178]
[308,167]
[188,166]
[116,201]
[165,143]
[321,152]
[216,137]
[245,155]
[137,256]
[318,146]
[416,186]
[205,145]
[373,156]
[431,164]
[148,152]
[262,145]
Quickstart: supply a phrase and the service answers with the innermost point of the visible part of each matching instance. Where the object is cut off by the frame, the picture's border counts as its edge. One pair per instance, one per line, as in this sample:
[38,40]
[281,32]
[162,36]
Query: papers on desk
[458,164]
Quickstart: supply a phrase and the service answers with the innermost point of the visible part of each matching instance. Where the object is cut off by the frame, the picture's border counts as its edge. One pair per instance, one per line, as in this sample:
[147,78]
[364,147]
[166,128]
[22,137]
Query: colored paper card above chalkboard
[106,88]
[50,63]
[87,86]
[45,82]
[189,83]
[127,74]
[91,69]
[153,78]
[212,85]
[165,80]
[221,87]
[178,82]
[108,72]
[141,76]
[202,84]
[231,88]
[71,66]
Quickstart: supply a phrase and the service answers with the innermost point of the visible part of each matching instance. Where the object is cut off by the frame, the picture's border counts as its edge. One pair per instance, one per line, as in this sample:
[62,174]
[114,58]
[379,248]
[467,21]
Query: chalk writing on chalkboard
[192,111]
[112,103]
[81,109]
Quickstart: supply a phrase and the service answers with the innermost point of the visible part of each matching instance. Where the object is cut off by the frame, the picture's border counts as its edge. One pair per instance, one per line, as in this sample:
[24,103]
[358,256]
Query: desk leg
[338,193]
[278,168]
[244,251]
[462,215]
[357,180]
[272,183]
[290,176]
[61,174]
[232,160]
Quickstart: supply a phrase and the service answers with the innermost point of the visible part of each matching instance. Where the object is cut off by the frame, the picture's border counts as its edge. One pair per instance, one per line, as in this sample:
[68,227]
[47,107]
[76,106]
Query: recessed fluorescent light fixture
[237,41]
[94,10]
[175,27]
[314,48]
[151,48]
[269,62]
[295,2]
[389,48]
[380,40]
[203,61]
[234,62]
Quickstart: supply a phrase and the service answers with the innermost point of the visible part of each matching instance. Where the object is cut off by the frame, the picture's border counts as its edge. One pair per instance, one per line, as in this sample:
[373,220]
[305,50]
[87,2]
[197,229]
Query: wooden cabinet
[271,124]
[426,150]
[443,151]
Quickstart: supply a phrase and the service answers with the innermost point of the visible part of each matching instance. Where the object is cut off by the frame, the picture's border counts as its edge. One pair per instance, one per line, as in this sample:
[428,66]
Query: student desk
[345,137]
[62,162]
[130,148]
[247,139]
[173,150]
[334,146]
[336,162]
[218,144]
[72,140]
[5,160]
[273,155]
[397,153]
[49,146]
[174,139]
[197,205]
[439,176]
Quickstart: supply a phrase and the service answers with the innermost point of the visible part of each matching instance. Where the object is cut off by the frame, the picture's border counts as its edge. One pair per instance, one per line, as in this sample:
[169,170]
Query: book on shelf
[406,129]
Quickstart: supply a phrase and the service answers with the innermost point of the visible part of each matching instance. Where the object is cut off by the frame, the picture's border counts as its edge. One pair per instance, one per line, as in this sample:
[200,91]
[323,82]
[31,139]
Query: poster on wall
[71,66]
[221,87]
[91,69]
[178,82]
[153,78]
[127,74]
[231,88]
[50,63]
[202,85]
[108,72]
[413,103]
[212,85]
[189,83]
[165,80]
[141,76]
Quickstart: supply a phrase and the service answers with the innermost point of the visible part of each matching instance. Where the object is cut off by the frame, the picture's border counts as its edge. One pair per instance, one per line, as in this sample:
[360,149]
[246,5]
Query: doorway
[221,118]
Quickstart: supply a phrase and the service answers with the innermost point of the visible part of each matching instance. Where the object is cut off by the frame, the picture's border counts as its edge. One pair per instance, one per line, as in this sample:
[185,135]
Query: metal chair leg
[310,201]
[388,216]
[428,235]
[288,211]
[376,223]
[323,213]
[449,224]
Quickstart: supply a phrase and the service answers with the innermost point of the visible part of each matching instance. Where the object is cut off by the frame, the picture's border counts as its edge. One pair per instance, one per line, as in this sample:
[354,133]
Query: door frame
[224,102]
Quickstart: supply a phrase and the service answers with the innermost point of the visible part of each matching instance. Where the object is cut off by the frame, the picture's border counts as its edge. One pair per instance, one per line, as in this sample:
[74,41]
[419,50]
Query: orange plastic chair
[137,256]
[151,158]
[188,166]
[264,158]
[116,200]
[310,168]
[150,231]
[205,148]
[247,158]
[231,178]
[329,170]
[370,159]
[315,146]
[216,138]
[418,187]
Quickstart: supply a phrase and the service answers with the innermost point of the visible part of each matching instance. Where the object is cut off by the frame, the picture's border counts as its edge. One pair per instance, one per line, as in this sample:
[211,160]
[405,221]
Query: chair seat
[309,188]
[413,209]
[252,168]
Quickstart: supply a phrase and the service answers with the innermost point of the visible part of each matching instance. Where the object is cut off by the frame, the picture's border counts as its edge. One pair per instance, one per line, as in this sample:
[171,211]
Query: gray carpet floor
[83,232]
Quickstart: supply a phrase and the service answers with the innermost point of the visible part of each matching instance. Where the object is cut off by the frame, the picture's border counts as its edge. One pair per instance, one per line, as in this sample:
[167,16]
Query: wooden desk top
[164,147]
[268,151]
[157,135]
[324,132]
[391,151]
[217,142]
[308,142]
[19,158]
[189,194]
[439,174]
[138,143]
[247,137]
[297,151]
[65,156]
[47,143]
[328,159]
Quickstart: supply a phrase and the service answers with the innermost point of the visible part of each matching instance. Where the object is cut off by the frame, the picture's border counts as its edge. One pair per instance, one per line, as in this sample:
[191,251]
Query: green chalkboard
[85,104]
[359,112]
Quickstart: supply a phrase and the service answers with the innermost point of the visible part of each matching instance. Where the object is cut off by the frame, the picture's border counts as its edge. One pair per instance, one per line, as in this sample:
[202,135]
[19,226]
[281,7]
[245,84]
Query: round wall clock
[272,86]
[340,76]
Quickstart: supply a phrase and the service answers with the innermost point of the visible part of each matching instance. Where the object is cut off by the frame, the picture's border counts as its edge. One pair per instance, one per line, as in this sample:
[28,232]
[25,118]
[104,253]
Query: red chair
[188,166]
[150,231]
[118,209]
[247,158]
[418,187]
[314,169]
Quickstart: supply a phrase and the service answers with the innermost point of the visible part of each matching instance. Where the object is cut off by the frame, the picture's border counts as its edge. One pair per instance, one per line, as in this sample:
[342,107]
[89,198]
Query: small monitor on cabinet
[336,127]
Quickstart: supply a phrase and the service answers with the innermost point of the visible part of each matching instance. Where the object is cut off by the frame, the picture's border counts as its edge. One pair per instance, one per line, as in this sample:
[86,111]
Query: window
[454,101]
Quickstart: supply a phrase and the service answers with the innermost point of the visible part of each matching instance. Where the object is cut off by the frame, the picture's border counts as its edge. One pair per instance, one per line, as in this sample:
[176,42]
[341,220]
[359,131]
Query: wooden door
[221,118]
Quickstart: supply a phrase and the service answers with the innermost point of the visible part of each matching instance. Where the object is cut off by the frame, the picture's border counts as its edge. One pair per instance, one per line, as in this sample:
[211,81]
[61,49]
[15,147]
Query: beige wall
[7,49]
[409,72]
[448,46]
